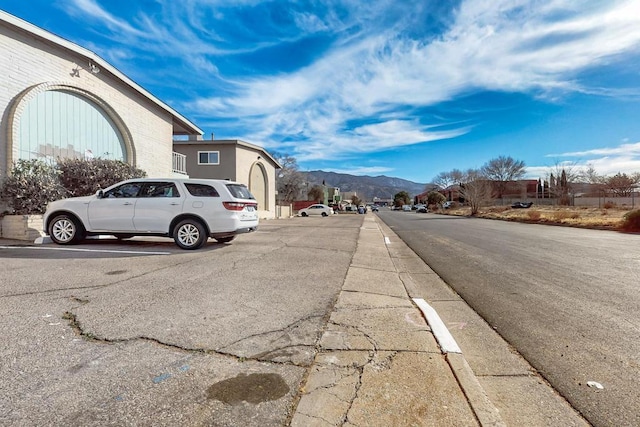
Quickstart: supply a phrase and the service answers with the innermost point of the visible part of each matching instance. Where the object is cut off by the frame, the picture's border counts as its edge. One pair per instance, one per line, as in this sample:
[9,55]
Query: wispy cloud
[505,46]
[624,158]
[621,150]
[373,62]
[364,170]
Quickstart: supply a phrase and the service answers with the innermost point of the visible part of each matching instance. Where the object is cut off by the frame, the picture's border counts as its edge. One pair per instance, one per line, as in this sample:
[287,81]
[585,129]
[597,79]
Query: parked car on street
[187,210]
[374,208]
[317,209]
[422,209]
[447,205]
[522,205]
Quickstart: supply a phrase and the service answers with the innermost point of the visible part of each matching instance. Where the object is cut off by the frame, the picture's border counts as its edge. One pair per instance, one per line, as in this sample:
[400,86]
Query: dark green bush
[85,177]
[31,185]
[631,221]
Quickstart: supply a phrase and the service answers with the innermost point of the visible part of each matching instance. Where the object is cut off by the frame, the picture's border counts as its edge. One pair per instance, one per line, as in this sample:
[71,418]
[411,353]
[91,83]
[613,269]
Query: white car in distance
[317,209]
[187,210]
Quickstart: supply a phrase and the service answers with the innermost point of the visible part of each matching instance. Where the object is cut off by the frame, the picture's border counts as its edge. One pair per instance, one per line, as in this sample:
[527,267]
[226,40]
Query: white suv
[189,210]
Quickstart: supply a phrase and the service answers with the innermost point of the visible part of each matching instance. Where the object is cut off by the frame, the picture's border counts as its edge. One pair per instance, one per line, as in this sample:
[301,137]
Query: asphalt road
[140,332]
[567,299]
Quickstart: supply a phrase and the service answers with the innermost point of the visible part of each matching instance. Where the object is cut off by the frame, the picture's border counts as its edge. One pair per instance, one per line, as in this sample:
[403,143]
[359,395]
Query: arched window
[58,123]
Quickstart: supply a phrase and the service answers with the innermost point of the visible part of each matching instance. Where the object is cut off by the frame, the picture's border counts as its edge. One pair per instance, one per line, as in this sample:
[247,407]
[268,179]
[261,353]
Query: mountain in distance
[366,187]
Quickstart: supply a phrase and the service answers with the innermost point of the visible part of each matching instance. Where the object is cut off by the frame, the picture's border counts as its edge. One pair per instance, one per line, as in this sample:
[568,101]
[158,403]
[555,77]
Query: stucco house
[235,160]
[58,99]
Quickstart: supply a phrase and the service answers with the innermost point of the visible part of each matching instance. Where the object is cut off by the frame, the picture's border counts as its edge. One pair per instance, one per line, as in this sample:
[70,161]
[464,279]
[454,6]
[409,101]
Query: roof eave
[188,127]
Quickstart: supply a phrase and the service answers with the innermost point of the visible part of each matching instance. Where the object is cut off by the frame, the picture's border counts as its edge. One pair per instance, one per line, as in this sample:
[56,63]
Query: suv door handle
[175,204]
[127,203]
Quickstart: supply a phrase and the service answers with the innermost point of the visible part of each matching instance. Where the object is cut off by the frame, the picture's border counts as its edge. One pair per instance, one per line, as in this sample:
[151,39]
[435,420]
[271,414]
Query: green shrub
[31,185]
[435,198]
[85,177]
[631,221]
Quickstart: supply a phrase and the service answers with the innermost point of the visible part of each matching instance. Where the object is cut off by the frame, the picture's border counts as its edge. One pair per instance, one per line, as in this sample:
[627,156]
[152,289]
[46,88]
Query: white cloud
[621,150]
[92,9]
[607,161]
[363,170]
[375,67]
[504,45]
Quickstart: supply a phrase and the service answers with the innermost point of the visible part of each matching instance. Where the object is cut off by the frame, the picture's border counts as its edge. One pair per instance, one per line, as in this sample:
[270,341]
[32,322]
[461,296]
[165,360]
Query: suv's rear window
[240,191]
[202,190]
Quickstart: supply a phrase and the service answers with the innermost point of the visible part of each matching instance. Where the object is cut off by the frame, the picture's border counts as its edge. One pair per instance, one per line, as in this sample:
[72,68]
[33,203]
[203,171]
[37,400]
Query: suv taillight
[238,206]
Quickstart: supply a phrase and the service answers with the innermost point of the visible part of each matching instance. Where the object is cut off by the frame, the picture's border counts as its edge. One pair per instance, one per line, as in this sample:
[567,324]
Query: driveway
[140,332]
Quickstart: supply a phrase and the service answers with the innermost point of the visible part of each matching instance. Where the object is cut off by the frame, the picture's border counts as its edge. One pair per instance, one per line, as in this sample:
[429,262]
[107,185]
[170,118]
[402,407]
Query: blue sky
[383,87]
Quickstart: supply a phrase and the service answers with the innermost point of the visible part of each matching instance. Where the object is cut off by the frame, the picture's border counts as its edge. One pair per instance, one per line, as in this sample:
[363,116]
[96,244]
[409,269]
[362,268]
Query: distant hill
[366,187]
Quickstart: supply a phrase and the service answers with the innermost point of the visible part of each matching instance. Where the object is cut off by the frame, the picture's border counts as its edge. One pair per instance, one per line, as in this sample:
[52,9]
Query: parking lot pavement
[307,322]
[140,332]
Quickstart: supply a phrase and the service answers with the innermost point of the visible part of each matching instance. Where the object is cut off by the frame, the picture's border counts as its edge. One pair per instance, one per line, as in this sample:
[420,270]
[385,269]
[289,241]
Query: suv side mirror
[100,194]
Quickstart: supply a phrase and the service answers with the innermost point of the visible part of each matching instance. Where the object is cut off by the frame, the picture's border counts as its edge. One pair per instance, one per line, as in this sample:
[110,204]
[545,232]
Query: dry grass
[555,215]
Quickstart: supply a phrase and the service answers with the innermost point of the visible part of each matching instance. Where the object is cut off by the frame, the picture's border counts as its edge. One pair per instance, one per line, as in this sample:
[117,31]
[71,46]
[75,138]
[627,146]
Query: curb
[484,410]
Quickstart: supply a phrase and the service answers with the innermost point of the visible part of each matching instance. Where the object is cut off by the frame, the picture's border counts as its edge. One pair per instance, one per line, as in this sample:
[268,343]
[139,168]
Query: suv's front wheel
[189,234]
[65,230]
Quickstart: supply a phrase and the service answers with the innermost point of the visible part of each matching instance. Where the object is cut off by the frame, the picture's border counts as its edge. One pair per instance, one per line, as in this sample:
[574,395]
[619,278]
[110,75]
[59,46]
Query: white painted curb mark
[387,241]
[86,250]
[442,334]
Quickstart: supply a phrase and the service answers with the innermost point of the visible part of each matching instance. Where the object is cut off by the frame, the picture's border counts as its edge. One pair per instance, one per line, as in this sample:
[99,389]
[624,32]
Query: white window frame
[209,152]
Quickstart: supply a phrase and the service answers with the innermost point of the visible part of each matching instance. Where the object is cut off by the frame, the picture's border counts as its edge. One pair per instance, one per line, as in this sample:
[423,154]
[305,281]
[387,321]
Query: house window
[208,157]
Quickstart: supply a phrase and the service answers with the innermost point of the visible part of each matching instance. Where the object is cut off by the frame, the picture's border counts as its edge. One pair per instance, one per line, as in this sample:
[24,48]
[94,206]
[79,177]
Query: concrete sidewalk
[387,359]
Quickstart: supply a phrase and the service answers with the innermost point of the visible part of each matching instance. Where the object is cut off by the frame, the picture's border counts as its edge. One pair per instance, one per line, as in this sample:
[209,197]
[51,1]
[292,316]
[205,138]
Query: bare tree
[289,180]
[501,170]
[596,181]
[447,179]
[475,189]
[620,184]
[316,193]
[591,176]
[561,178]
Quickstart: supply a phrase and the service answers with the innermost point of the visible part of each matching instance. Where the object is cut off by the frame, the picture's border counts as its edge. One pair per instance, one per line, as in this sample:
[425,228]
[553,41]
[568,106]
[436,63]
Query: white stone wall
[26,61]
[21,227]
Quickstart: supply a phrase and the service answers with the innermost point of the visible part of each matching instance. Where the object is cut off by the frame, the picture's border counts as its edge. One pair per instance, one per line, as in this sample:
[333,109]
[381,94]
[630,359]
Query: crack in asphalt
[74,323]
[289,327]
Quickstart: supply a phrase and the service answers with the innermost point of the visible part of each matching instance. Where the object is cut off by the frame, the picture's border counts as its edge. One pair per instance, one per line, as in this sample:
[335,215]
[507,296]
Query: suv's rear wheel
[65,230]
[190,234]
